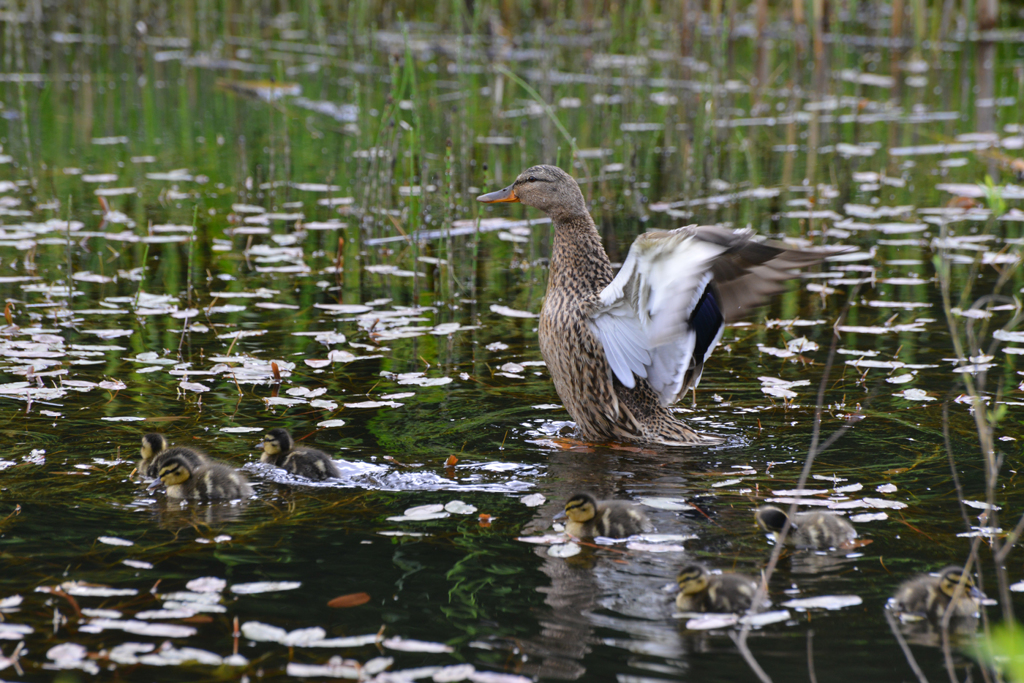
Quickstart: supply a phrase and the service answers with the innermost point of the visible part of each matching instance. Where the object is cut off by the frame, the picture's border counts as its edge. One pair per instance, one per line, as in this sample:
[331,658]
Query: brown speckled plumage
[208,481]
[702,591]
[588,517]
[155,453]
[597,398]
[930,596]
[279,450]
[814,529]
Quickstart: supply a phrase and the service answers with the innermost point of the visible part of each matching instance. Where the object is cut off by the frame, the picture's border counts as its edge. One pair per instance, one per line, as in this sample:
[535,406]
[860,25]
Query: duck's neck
[578,260]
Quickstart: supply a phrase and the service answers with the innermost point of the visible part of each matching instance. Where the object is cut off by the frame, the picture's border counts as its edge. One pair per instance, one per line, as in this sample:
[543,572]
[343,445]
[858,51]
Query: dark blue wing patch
[706,320]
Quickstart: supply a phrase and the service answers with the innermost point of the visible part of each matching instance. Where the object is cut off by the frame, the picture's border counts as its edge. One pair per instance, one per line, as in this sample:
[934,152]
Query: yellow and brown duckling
[702,591]
[208,481]
[155,453]
[588,517]
[279,450]
[814,529]
[622,348]
[930,596]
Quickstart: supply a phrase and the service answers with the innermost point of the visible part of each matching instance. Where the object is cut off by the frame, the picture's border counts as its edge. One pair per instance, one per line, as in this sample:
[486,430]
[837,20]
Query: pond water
[269,221]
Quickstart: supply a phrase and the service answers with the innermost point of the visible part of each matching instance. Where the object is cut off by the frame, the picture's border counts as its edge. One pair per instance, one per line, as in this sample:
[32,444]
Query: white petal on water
[114,540]
[666,538]
[979,505]
[564,550]
[302,637]
[125,653]
[324,405]
[550,539]
[330,423]
[336,667]
[399,395]
[672,504]
[194,386]
[727,482]
[869,517]
[849,488]
[263,633]
[655,547]
[495,677]
[533,500]
[709,622]
[9,631]
[81,589]
[316,363]
[421,513]
[424,381]
[886,488]
[240,430]
[207,584]
[454,673]
[457,507]
[125,418]
[341,356]
[67,653]
[915,395]
[1017,587]
[11,601]
[410,645]
[179,613]
[800,492]
[375,404]
[824,602]
[901,379]
[511,312]
[765,618]
[264,587]
[141,628]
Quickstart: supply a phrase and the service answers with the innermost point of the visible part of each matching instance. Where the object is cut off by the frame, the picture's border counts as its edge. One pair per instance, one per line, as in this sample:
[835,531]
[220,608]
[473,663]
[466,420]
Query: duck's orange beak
[506,195]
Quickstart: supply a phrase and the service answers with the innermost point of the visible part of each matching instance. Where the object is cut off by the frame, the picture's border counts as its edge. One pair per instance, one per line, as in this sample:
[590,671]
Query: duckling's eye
[531,179]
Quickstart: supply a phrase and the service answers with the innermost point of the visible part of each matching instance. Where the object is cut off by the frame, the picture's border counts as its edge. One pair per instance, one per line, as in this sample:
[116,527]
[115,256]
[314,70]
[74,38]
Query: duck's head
[770,518]
[581,508]
[276,442]
[547,188]
[152,445]
[693,578]
[174,471]
[950,578]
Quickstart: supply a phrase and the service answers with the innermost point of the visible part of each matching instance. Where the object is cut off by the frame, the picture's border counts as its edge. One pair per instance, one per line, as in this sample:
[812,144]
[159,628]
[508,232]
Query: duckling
[930,596]
[208,481]
[279,450]
[622,348]
[589,517]
[702,591]
[155,453]
[814,529]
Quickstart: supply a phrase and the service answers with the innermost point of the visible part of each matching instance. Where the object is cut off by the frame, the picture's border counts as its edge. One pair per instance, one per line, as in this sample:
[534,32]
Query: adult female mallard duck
[930,596]
[208,481]
[155,453]
[279,450]
[814,529]
[702,591]
[622,348]
[588,517]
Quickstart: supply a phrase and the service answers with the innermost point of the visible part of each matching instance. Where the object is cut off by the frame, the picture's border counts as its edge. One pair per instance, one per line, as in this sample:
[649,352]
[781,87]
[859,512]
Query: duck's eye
[531,179]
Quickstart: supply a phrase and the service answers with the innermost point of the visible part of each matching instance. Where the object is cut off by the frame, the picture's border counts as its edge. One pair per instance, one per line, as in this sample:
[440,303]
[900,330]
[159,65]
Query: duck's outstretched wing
[663,314]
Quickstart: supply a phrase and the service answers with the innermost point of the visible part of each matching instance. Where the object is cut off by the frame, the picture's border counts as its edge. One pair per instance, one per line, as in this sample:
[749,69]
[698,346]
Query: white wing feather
[643,321]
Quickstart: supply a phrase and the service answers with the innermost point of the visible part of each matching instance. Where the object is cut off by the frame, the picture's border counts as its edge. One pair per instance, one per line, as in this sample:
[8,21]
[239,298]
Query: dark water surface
[136,122]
